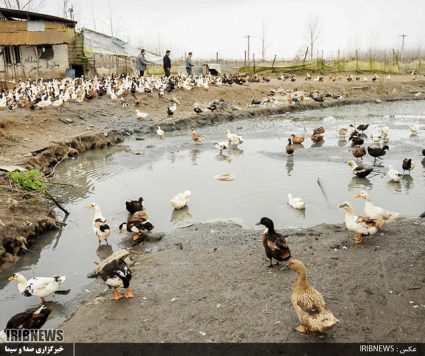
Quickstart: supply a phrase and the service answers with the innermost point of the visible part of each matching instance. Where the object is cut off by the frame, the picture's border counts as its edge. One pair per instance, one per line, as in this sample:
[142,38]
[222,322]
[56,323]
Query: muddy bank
[209,283]
[24,134]
[24,214]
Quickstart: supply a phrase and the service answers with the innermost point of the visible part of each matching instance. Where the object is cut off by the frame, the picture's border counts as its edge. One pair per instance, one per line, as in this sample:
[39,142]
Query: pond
[264,174]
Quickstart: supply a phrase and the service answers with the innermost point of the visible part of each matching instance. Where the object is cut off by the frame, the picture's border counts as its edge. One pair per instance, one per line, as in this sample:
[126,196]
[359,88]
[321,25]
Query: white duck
[39,286]
[181,200]
[160,133]
[221,146]
[376,137]
[360,224]
[296,203]
[395,175]
[414,129]
[99,224]
[234,140]
[141,115]
[375,212]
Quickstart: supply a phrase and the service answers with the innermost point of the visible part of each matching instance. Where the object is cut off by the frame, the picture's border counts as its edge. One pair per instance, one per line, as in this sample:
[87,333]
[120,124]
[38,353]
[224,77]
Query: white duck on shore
[375,212]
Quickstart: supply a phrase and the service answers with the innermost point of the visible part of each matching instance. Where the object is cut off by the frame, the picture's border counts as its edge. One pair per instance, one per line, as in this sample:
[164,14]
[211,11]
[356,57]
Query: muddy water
[264,175]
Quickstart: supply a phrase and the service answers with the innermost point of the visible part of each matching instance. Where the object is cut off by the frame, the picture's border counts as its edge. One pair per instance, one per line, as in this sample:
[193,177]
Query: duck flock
[309,304]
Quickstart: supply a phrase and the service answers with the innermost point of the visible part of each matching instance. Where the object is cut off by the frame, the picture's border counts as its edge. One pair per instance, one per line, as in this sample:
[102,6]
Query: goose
[361,225]
[309,304]
[296,203]
[297,139]
[375,212]
[141,115]
[39,286]
[408,165]
[29,319]
[359,170]
[290,147]
[181,200]
[393,174]
[274,243]
[99,224]
[160,132]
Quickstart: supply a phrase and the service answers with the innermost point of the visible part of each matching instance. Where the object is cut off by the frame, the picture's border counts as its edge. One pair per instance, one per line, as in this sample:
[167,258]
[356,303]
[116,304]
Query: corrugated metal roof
[27,15]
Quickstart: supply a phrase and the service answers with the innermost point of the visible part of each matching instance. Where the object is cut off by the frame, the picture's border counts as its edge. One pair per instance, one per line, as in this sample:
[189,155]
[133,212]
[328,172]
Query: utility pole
[248,37]
[403,36]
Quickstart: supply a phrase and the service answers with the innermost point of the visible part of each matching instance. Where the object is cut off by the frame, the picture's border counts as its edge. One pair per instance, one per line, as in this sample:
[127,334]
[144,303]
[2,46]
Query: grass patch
[31,180]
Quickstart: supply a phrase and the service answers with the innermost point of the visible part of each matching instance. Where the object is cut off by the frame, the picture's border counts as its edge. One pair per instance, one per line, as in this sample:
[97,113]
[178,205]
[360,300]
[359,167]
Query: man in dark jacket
[189,64]
[166,62]
[141,63]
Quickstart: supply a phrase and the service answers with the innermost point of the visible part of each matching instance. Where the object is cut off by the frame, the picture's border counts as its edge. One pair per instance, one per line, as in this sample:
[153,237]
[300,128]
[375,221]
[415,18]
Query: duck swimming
[181,200]
[290,147]
[39,286]
[360,170]
[274,243]
[296,203]
[309,304]
[393,174]
[297,139]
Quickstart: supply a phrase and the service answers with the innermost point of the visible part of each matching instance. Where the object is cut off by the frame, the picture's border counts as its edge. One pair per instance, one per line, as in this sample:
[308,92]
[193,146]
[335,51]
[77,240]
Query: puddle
[264,175]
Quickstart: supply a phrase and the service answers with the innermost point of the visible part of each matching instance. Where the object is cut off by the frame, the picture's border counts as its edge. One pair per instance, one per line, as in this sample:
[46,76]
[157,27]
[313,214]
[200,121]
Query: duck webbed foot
[270,264]
[129,293]
[359,239]
[117,295]
[302,329]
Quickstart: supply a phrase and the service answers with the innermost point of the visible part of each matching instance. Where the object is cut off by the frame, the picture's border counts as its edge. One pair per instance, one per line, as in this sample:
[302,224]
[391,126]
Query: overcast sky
[206,27]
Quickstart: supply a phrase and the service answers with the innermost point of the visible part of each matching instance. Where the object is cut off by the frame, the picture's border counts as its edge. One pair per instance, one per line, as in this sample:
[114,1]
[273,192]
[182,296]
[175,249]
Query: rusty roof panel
[36,38]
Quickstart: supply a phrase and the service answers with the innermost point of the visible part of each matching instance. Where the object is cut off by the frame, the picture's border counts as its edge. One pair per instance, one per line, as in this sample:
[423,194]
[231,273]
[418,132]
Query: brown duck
[274,243]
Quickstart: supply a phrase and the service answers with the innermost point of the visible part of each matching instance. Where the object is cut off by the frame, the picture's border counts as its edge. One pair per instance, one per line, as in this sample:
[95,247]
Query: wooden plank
[117,255]
[35,38]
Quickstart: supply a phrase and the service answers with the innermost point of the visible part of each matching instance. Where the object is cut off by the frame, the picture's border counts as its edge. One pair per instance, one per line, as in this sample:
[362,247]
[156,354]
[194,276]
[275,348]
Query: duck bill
[258,224]
[90,206]
[342,206]
[358,195]
[11,278]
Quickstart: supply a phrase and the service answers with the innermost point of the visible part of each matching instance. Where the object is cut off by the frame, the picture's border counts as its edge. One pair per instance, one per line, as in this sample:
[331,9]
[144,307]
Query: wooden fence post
[305,57]
[274,60]
[357,59]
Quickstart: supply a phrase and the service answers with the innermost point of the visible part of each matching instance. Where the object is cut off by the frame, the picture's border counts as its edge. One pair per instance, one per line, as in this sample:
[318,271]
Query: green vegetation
[30,180]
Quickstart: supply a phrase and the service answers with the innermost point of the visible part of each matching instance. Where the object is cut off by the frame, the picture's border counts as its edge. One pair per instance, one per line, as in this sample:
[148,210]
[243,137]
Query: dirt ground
[209,283]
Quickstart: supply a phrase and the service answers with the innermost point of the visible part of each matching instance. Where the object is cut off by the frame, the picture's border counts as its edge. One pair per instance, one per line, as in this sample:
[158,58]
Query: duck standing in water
[274,243]
[133,206]
[309,304]
[290,147]
[408,165]
[99,224]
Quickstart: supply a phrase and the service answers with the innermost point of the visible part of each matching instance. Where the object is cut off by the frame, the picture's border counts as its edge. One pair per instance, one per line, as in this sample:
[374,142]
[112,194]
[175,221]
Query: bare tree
[28,5]
[313,31]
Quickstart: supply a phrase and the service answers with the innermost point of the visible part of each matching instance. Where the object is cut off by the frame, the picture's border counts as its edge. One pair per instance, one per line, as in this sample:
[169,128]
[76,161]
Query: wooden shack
[34,45]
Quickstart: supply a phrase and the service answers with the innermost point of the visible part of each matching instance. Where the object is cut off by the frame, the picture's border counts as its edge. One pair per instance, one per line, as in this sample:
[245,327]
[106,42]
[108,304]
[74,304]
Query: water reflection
[179,215]
[221,157]
[194,155]
[236,151]
[423,163]
[298,146]
[342,143]
[394,186]
[360,183]
[318,144]
[407,182]
[289,164]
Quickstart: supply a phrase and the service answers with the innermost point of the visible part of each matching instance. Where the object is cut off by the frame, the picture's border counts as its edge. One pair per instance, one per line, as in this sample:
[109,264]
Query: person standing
[166,62]
[141,63]
[189,64]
